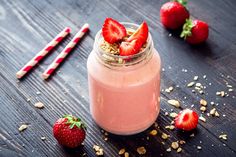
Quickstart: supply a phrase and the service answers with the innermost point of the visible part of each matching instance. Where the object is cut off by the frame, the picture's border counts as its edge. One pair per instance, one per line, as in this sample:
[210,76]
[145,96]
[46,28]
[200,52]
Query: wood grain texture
[26,26]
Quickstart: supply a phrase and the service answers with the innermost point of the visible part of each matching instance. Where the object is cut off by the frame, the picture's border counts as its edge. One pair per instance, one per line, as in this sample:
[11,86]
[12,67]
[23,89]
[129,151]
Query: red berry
[173,15]
[134,43]
[69,131]
[141,33]
[186,120]
[130,48]
[113,31]
[195,32]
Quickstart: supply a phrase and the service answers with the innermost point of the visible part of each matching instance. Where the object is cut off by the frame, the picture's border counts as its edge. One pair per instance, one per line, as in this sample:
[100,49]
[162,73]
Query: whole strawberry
[195,32]
[173,14]
[69,131]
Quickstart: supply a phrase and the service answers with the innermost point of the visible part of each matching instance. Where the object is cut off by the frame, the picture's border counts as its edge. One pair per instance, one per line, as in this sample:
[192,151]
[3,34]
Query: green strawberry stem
[183,2]
[187,27]
[73,121]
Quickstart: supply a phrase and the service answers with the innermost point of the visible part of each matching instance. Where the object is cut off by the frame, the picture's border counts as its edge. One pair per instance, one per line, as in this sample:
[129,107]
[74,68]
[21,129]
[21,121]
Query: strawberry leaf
[78,124]
[187,27]
[74,121]
[72,125]
[183,2]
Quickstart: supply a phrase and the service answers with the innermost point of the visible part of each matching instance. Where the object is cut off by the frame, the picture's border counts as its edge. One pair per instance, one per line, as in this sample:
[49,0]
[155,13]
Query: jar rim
[131,25]
[113,60]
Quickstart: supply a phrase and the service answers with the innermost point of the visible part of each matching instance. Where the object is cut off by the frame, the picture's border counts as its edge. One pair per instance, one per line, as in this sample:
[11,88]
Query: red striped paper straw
[43,53]
[65,52]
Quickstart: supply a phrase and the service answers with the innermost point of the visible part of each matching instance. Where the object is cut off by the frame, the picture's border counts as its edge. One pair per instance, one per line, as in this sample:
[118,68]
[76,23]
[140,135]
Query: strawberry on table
[186,120]
[69,131]
[113,31]
[173,14]
[195,31]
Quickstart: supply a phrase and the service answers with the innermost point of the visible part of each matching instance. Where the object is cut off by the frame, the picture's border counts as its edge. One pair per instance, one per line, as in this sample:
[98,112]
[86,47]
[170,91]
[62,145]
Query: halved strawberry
[113,31]
[141,33]
[130,48]
[186,120]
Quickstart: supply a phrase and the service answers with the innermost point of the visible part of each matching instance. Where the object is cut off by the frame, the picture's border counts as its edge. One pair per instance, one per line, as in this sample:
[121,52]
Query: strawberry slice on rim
[113,31]
[186,120]
[130,48]
[141,33]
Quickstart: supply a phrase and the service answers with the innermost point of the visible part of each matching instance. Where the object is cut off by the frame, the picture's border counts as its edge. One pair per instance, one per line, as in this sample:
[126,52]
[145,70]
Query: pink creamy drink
[124,90]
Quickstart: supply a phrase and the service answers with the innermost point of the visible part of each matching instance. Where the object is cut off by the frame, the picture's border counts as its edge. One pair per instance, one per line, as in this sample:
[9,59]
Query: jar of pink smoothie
[124,91]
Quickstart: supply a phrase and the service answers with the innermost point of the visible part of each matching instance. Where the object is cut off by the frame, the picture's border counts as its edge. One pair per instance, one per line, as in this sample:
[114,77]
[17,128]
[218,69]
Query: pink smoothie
[126,100]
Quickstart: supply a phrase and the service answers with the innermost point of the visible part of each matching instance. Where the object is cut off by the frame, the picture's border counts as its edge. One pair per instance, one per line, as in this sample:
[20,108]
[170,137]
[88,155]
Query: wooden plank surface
[26,26]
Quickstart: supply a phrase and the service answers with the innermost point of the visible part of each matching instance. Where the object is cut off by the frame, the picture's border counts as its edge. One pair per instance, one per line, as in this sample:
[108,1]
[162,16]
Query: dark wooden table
[26,26]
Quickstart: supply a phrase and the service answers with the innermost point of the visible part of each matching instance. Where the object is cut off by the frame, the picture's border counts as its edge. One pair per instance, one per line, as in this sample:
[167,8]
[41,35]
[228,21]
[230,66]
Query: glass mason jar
[124,91]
